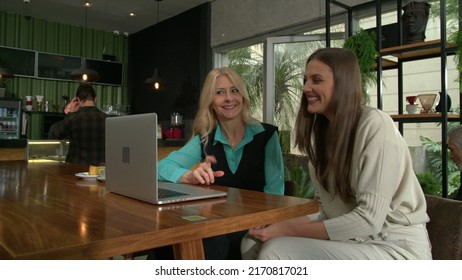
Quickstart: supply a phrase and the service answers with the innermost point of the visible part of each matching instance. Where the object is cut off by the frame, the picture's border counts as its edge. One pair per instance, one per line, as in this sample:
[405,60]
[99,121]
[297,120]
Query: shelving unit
[395,57]
[413,118]
[416,51]
[412,52]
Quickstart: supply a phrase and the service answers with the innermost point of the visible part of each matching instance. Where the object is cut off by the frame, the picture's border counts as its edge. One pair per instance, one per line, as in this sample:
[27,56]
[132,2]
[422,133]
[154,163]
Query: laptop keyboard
[165,193]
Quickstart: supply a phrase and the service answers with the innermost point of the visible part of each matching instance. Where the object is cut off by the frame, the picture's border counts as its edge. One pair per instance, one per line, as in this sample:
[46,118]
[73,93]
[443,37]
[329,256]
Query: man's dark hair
[85,92]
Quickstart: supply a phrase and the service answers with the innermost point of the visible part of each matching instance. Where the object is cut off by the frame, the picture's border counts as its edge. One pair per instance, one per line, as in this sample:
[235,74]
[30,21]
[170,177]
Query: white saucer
[101,178]
[85,176]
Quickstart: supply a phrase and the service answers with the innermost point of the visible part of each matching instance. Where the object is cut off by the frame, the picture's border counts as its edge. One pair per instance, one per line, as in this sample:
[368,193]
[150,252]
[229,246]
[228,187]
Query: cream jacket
[388,194]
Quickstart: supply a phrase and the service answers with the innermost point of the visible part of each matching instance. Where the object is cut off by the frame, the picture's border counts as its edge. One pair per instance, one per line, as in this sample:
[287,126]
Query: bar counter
[57,149]
[13,149]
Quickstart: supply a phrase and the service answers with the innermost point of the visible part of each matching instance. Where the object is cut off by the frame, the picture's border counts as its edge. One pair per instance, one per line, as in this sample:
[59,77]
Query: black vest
[250,173]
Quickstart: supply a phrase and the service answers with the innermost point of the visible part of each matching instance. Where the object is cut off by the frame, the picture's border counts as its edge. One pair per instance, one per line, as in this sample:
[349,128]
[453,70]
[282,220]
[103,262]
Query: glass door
[284,64]
[273,72]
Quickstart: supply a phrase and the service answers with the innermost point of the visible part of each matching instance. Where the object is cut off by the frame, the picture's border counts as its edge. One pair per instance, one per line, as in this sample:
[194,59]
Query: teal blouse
[179,162]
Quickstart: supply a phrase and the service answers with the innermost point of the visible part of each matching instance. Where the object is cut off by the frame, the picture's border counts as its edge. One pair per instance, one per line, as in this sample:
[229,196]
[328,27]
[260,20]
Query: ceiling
[111,15]
[107,15]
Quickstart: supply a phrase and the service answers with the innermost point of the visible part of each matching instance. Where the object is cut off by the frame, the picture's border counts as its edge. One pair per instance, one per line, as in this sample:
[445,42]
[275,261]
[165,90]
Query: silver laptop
[131,163]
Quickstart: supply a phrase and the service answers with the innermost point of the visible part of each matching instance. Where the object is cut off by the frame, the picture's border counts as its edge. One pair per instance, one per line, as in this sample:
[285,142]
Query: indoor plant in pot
[363,44]
[452,28]
[456,38]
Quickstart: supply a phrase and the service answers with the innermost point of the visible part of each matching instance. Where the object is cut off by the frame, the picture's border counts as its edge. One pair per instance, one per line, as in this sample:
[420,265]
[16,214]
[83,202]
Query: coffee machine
[175,131]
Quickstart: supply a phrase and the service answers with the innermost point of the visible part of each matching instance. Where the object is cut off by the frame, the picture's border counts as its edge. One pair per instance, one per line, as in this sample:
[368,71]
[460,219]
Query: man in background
[84,126]
[455,147]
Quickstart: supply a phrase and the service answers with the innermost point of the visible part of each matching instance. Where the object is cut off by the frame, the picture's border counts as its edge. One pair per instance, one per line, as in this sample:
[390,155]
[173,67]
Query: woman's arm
[378,165]
[203,174]
[274,166]
[177,163]
[296,227]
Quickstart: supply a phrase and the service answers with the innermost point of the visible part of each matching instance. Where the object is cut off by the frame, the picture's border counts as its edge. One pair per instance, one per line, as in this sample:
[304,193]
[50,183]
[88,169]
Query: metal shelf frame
[405,53]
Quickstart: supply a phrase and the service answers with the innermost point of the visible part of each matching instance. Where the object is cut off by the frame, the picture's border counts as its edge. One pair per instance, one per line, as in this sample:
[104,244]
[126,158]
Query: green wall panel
[53,37]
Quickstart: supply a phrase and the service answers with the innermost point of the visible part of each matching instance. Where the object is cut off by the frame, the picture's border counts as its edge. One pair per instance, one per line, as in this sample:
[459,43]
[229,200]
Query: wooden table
[46,212]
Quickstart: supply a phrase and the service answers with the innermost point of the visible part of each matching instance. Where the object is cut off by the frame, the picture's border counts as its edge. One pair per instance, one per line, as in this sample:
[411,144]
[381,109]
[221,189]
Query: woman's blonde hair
[329,144]
[206,119]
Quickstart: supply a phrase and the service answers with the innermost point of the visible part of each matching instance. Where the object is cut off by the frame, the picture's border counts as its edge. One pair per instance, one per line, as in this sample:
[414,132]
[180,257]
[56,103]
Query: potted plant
[296,170]
[363,44]
[453,31]
[431,179]
[456,38]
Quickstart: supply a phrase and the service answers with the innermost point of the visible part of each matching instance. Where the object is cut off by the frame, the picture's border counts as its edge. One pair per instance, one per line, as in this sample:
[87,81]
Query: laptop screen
[131,155]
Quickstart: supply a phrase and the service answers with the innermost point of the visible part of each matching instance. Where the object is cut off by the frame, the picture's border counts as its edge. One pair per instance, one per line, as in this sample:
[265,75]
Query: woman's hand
[203,174]
[291,227]
[264,233]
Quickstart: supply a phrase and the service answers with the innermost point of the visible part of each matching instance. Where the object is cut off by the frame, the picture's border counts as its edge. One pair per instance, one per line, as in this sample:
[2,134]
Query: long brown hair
[329,145]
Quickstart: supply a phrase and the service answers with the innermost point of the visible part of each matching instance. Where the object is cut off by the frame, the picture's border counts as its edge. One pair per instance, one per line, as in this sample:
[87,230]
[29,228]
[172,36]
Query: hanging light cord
[155,82]
[158,8]
[84,74]
[158,1]
[85,30]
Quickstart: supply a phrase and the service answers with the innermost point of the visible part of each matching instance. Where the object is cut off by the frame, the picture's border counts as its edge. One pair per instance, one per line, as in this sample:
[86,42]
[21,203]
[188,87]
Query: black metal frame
[443,66]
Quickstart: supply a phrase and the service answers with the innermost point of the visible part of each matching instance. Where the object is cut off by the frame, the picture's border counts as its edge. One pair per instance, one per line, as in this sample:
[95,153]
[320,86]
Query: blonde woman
[233,150]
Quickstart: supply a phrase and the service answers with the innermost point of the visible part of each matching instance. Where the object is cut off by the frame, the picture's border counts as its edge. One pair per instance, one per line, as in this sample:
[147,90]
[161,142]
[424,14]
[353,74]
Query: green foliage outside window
[454,35]
[289,63]
[289,66]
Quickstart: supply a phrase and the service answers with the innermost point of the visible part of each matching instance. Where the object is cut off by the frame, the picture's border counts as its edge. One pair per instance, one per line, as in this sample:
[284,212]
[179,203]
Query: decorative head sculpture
[414,18]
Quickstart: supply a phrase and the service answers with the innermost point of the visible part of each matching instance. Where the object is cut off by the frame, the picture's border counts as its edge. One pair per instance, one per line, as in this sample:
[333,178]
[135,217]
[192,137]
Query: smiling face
[227,100]
[319,88]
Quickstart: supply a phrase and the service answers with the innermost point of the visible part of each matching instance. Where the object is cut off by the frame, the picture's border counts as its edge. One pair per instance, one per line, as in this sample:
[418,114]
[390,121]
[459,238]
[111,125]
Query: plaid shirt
[85,130]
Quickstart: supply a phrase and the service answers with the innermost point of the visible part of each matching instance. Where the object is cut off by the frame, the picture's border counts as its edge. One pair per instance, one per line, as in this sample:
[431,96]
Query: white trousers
[411,242]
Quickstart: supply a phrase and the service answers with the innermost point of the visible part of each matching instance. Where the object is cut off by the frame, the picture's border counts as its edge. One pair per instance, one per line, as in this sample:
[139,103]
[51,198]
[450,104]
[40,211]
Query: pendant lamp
[155,82]
[5,73]
[84,74]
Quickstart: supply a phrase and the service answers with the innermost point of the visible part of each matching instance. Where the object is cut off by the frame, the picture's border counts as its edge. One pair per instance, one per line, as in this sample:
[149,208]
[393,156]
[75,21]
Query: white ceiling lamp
[155,82]
[84,74]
